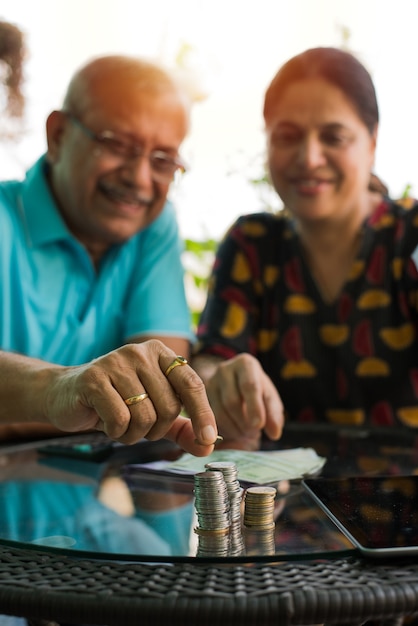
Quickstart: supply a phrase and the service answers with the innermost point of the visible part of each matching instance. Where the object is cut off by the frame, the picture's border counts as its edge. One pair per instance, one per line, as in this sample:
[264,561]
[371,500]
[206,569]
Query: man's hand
[92,396]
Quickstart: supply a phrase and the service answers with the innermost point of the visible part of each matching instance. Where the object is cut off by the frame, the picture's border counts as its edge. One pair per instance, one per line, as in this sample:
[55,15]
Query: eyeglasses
[163,165]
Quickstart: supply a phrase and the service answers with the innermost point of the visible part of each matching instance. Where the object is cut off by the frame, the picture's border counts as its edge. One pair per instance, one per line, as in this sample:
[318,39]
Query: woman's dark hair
[337,67]
[12,52]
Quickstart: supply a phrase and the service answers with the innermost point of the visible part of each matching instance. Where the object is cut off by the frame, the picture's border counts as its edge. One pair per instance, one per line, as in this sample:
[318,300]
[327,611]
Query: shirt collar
[43,219]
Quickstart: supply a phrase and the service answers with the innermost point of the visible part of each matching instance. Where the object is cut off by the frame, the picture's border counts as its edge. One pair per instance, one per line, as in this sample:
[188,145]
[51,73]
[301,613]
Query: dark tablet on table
[378,514]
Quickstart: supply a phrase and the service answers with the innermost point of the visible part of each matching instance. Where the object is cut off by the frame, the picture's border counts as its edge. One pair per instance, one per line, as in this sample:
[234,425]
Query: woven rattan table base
[346,591]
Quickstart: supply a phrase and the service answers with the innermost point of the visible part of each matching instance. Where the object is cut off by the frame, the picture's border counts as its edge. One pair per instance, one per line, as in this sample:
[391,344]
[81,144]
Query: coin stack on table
[218,500]
[259,520]
[213,514]
[235,493]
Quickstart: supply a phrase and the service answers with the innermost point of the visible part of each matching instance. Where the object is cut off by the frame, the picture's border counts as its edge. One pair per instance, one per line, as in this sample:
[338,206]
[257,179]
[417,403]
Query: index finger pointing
[190,389]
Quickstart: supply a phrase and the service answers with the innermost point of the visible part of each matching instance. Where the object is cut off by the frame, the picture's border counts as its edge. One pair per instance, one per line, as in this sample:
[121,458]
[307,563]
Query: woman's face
[320,152]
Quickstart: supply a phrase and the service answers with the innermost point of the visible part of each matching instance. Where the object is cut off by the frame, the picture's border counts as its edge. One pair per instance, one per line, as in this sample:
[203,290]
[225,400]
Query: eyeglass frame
[131,150]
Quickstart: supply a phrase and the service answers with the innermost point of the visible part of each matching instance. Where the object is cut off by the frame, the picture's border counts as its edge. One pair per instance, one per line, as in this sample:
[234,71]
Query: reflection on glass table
[91,508]
[69,504]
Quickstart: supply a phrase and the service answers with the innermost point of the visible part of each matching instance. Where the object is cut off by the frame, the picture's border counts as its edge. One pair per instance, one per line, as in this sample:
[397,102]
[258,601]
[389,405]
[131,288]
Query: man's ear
[55,127]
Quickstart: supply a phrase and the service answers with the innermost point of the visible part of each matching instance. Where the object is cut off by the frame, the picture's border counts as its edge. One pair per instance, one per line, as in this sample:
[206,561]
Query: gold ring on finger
[179,360]
[135,399]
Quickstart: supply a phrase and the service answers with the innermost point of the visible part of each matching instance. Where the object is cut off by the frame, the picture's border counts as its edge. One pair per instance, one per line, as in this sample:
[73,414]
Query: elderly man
[90,260]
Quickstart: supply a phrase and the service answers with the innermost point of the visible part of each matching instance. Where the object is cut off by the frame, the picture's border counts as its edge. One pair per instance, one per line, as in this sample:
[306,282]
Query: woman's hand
[243,398]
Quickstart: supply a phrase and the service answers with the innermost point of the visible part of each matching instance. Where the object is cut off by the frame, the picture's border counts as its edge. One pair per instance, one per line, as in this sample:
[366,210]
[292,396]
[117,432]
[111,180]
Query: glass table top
[93,508]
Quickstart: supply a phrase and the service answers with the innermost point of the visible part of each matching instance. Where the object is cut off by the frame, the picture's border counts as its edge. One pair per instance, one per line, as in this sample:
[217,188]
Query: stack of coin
[235,493]
[259,508]
[213,514]
[260,542]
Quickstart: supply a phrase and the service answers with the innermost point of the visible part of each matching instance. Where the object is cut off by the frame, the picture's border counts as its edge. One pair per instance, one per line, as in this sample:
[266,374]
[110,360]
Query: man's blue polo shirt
[55,306]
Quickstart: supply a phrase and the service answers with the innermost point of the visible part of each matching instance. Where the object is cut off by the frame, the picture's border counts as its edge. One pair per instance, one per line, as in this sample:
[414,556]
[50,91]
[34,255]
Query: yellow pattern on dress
[398,338]
[298,303]
[266,339]
[234,322]
[385,221]
[271,275]
[258,287]
[397,267]
[253,229]
[373,299]
[347,417]
[409,415]
[334,334]
[240,272]
[298,369]
[372,366]
[356,270]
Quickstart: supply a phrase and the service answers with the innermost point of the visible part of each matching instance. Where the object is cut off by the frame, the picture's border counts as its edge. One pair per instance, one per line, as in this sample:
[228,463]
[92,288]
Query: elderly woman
[312,311]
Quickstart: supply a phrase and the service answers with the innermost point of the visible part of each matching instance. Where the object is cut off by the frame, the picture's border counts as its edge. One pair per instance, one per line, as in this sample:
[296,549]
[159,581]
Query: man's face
[104,196]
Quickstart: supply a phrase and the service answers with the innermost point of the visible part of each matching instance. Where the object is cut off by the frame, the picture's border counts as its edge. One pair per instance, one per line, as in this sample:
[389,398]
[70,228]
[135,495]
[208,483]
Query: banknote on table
[254,468]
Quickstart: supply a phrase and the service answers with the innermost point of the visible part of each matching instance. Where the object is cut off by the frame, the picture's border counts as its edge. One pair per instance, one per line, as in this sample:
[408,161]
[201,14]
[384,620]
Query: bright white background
[235,47]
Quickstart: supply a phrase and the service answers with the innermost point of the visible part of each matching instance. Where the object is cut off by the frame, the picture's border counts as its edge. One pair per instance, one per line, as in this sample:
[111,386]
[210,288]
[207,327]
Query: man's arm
[93,396]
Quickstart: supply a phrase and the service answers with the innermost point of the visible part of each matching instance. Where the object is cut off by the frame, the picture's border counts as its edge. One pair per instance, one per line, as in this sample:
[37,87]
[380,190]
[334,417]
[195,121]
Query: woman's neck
[330,248]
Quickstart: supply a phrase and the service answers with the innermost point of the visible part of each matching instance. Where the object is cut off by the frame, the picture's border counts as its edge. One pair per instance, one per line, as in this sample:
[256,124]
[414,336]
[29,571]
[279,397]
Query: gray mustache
[127,196]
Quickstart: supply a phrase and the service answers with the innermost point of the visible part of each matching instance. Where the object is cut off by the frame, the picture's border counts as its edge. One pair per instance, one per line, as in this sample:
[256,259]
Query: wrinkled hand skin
[244,400]
[92,396]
